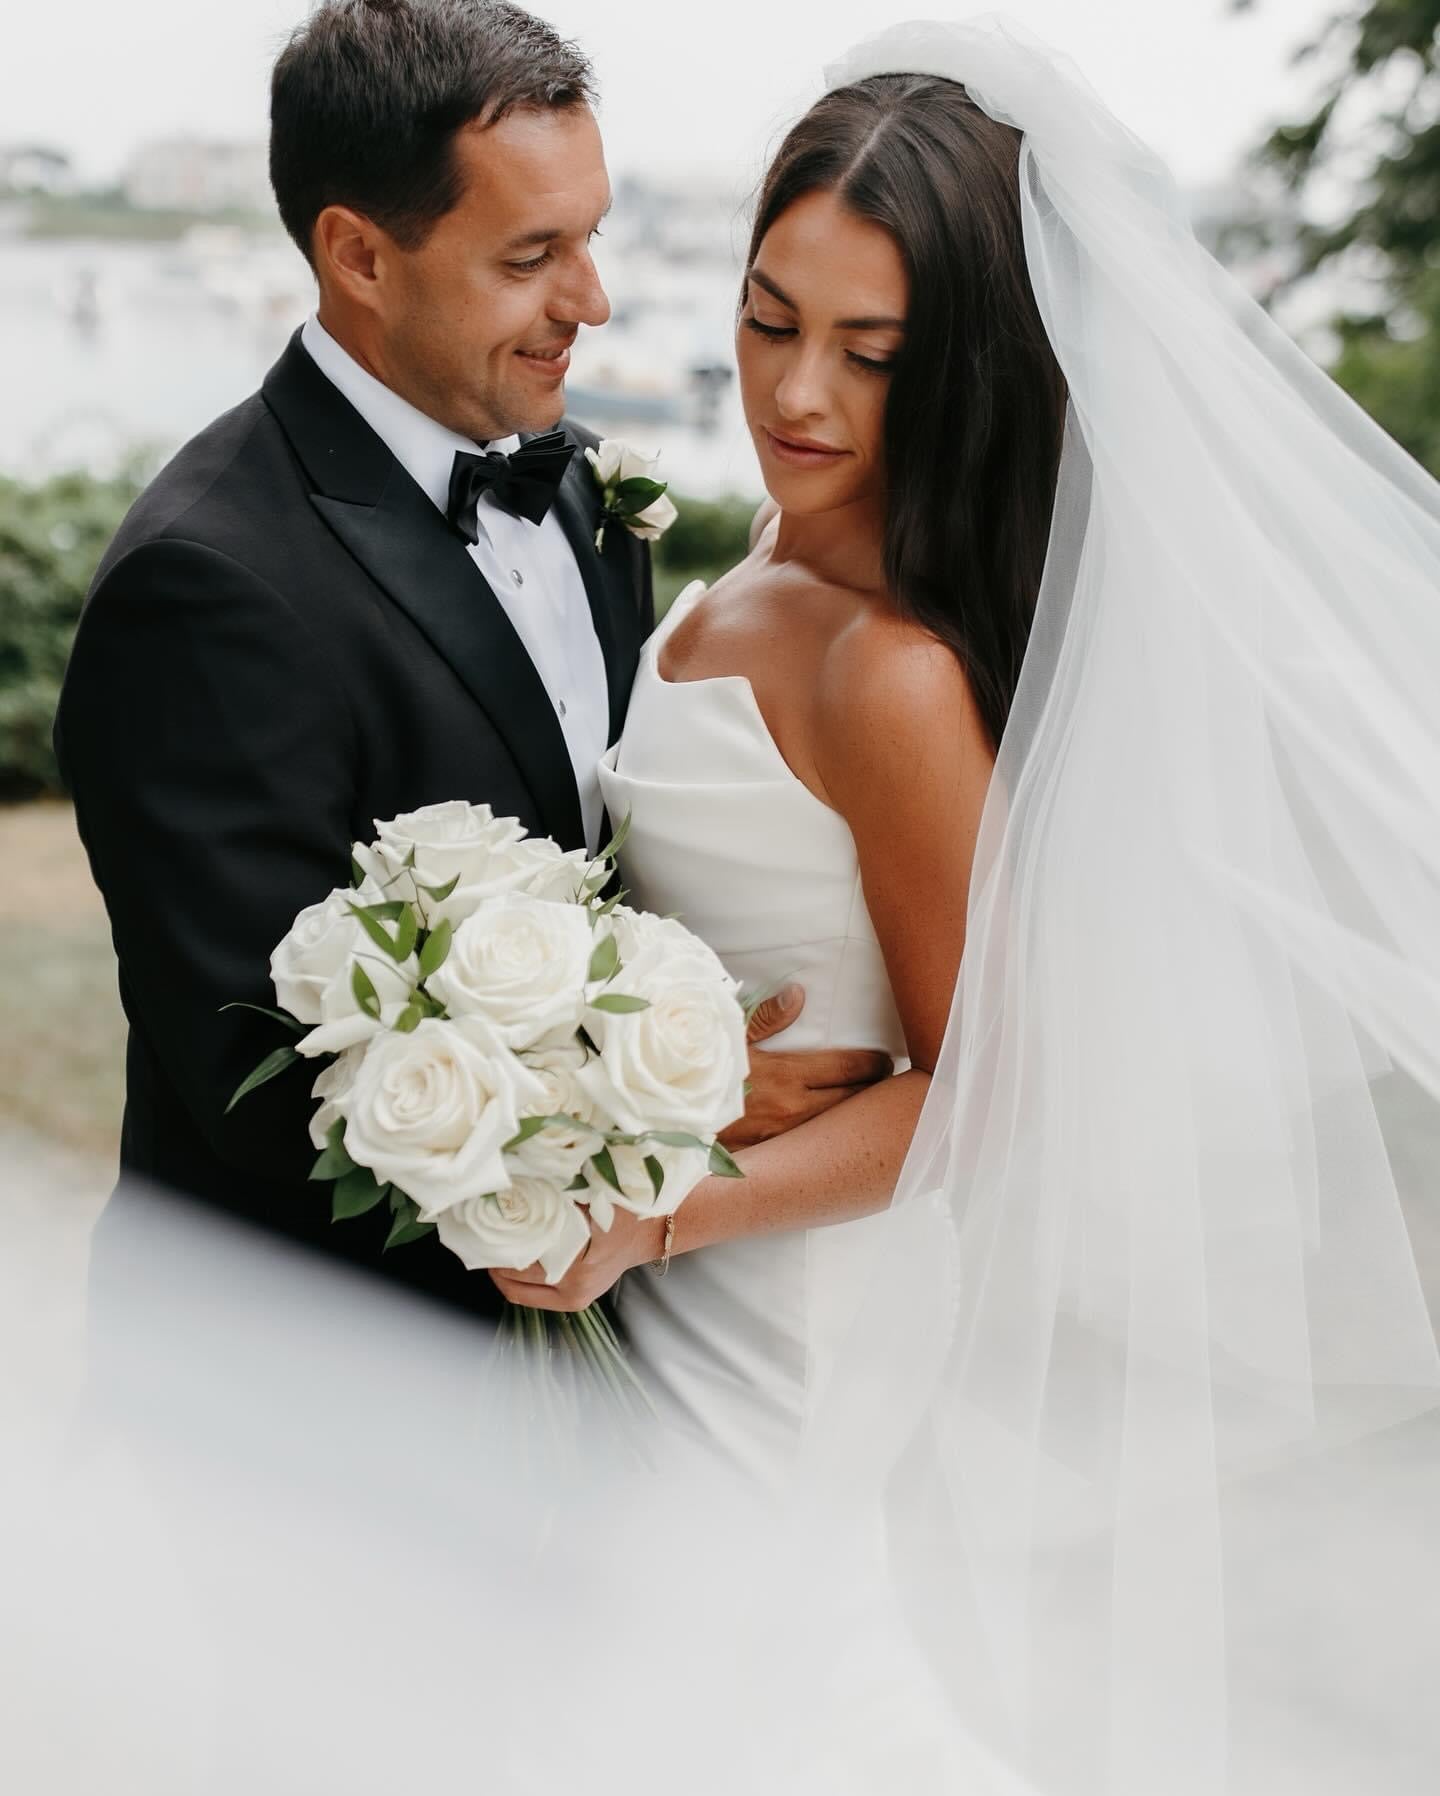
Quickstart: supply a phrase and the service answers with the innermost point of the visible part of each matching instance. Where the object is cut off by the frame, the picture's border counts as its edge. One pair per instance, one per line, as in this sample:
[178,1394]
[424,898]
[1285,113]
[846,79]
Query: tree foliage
[1374,134]
[52,536]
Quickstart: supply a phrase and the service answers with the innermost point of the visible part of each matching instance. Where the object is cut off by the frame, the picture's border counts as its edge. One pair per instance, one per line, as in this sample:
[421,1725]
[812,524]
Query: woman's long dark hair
[975,413]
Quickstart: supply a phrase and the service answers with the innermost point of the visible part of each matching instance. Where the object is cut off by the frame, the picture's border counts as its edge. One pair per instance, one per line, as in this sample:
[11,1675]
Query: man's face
[475,325]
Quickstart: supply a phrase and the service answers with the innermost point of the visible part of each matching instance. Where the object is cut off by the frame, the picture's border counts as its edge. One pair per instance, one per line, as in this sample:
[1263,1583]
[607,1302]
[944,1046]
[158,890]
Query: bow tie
[525,483]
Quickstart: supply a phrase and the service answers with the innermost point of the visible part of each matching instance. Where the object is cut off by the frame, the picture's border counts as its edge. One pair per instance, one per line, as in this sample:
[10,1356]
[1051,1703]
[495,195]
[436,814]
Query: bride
[796,733]
[1068,733]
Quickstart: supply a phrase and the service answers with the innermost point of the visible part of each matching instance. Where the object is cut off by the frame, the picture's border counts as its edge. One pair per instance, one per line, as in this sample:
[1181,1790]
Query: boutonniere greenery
[631,495]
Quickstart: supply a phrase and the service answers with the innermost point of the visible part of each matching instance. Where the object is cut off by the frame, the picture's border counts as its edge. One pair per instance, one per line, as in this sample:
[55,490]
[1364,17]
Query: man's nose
[582,300]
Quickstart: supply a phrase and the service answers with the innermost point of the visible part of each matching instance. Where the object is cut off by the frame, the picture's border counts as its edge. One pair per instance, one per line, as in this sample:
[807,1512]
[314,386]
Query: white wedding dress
[723,835]
[731,1342]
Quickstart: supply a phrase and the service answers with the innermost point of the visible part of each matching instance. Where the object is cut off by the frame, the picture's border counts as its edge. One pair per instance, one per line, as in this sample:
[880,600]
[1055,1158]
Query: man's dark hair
[367,97]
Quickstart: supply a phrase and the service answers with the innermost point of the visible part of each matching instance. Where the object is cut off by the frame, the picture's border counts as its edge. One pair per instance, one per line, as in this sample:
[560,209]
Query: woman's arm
[907,762]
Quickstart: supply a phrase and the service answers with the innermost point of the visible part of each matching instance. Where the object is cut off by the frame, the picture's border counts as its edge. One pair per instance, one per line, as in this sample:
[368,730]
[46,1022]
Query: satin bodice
[723,835]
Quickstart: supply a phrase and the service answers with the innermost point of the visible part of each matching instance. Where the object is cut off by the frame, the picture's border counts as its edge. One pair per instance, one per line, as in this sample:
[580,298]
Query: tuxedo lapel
[608,585]
[390,526]
[571,510]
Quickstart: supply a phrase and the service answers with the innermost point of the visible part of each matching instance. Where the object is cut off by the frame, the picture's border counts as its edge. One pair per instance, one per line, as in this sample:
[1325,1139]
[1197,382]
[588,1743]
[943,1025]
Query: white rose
[641,932]
[313,972]
[615,461]
[551,874]
[652,523]
[531,1220]
[682,1167]
[431,1111]
[324,938]
[520,963]
[681,1063]
[333,1083]
[559,1152]
[484,855]
[454,841]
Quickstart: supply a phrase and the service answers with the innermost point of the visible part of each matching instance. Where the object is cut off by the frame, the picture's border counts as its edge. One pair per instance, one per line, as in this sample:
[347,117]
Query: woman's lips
[801,454]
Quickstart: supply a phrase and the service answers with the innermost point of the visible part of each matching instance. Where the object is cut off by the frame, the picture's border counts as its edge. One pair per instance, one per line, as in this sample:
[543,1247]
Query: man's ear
[351,254]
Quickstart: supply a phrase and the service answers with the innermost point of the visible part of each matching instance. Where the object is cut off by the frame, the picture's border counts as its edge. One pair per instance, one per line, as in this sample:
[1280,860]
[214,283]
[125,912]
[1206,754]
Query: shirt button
[562,707]
[517,576]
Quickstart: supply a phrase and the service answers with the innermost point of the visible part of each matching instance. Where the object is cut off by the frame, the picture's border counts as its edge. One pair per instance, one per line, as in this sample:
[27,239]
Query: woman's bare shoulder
[881,665]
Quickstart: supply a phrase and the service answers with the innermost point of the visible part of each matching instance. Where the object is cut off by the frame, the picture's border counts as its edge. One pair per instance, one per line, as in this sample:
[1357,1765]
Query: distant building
[687,220]
[190,174]
[34,168]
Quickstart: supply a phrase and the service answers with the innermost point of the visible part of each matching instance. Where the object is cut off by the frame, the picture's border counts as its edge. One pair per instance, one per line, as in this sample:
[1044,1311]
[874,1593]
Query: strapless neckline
[740,684]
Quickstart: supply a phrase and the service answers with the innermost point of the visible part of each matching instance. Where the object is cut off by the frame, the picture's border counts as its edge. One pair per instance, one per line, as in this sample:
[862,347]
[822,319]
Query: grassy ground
[62,1035]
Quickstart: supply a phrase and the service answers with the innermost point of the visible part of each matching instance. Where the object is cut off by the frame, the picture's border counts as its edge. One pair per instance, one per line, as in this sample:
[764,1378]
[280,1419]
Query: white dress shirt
[531,570]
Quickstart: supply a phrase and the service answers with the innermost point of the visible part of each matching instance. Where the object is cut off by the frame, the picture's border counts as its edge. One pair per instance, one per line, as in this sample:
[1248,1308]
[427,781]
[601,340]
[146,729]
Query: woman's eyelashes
[775,333]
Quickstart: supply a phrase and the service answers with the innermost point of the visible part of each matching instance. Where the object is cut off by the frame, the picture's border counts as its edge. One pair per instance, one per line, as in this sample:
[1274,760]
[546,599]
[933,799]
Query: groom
[334,605]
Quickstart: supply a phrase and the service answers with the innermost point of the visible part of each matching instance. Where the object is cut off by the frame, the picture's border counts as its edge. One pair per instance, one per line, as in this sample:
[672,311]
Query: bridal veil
[1157,1479]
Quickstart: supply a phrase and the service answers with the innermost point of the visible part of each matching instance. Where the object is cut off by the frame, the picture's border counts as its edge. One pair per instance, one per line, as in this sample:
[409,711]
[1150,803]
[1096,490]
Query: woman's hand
[629,1241]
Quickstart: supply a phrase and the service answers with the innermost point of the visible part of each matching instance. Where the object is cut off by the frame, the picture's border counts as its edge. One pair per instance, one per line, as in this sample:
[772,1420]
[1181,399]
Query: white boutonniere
[631,494]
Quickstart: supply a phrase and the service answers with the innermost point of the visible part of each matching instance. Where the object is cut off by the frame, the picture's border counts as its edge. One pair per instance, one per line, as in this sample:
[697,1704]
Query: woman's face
[822,325]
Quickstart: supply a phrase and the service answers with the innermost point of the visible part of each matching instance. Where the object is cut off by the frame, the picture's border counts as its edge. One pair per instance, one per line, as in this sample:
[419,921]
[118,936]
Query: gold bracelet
[662,1265]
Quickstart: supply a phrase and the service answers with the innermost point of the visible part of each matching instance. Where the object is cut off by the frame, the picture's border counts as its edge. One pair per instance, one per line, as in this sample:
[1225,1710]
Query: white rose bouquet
[507,1055]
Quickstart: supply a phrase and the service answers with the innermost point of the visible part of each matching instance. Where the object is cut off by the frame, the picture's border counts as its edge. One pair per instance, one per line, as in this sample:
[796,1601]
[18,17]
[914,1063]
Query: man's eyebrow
[548,234]
[776,291]
[532,239]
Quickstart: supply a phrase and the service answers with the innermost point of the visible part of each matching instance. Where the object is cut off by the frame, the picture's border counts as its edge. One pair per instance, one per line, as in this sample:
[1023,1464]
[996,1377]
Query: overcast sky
[686,84]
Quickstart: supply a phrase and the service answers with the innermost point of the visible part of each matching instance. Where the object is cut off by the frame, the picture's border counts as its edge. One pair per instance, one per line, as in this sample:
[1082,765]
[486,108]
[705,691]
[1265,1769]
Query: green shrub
[51,538]
[709,536]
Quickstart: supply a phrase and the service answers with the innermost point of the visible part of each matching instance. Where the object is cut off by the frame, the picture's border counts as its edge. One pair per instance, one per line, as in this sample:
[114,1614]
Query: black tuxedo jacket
[286,641]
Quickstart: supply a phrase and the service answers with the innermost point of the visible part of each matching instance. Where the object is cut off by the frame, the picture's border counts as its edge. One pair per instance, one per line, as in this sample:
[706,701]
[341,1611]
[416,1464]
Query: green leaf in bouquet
[610,905]
[578,1183]
[409,862]
[409,1019]
[269,1068]
[605,961]
[357,874]
[437,947]
[530,1126]
[617,841]
[397,1200]
[334,1162]
[440,893]
[722,1165]
[406,1227]
[385,912]
[605,1166]
[378,933]
[407,930]
[356,1193]
[674,1138]
[366,996]
[280,1016]
[657,1173]
[619,1003]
